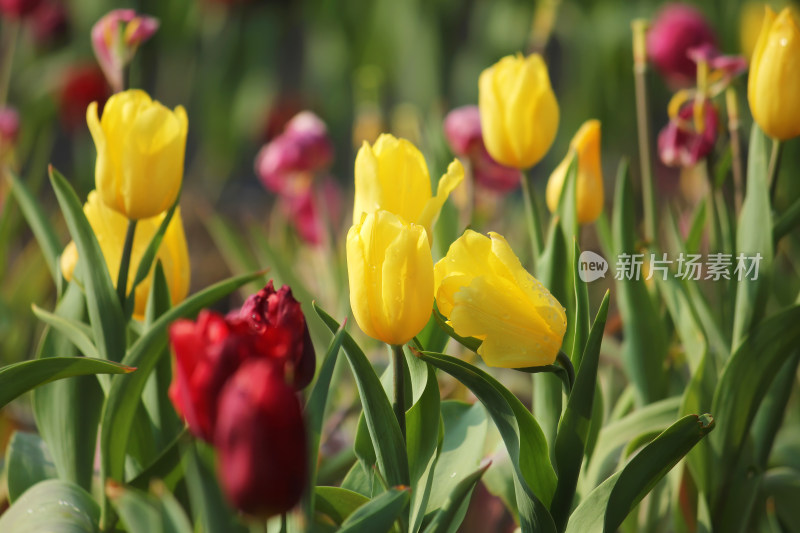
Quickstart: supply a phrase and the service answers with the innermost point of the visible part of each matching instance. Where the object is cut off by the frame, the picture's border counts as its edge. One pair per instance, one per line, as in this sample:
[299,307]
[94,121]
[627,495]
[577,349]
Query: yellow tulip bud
[484,292]
[519,112]
[773,88]
[110,227]
[589,182]
[390,267]
[392,175]
[140,150]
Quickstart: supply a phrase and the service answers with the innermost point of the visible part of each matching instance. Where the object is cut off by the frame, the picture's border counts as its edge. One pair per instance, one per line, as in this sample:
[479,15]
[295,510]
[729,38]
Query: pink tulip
[115,38]
[680,144]
[677,29]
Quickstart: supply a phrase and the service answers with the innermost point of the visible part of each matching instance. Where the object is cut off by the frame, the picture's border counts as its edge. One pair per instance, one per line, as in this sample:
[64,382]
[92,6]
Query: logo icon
[591,266]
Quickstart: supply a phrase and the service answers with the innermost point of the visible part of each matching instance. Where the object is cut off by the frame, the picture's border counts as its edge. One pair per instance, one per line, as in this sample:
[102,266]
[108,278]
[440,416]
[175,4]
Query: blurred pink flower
[115,38]
[286,163]
[16,9]
[462,128]
[681,144]
[677,29]
[313,212]
[9,127]
[49,22]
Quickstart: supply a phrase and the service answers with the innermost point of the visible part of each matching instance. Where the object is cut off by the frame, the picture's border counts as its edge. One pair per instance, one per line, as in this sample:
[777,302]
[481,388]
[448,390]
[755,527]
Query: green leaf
[687,325]
[745,380]
[696,229]
[465,430]
[383,428]
[651,419]
[580,331]
[124,396]
[105,313]
[149,513]
[338,503]
[645,346]
[573,430]
[754,236]
[77,332]
[67,411]
[21,377]
[165,465]
[448,519]
[788,220]
[315,412]
[234,250]
[697,398]
[605,508]
[40,225]
[522,435]
[379,514]
[52,505]
[28,462]
[209,505]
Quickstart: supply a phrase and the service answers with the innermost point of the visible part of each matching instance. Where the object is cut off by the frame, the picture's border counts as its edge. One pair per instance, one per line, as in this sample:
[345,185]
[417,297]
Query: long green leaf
[124,396]
[52,505]
[21,377]
[102,302]
[573,430]
[338,503]
[28,462]
[383,428]
[77,332]
[522,435]
[605,508]
[447,518]
[379,514]
[149,513]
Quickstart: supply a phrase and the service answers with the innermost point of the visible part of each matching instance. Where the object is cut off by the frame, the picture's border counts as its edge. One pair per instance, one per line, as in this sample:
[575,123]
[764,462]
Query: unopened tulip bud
[9,128]
[16,9]
[49,22]
[677,29]
[261,441]
[115,38]
[462,128]
[279,315]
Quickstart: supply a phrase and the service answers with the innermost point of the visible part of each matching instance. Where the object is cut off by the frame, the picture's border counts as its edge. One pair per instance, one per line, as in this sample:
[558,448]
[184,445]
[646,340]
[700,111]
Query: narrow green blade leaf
[147,513]
[383,429]
[28,462]
[338,503]
[105,312]
[77,332]
[573,430]
[379,514]
[52,505]
[150,252]
[19,378]
[447,518]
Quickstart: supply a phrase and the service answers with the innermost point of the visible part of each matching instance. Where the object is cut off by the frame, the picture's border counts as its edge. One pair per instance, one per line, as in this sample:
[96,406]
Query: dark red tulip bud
[18,8]
[677,29]
[278,317]
[681,144]
[261,441]
[49,22]
[82,85]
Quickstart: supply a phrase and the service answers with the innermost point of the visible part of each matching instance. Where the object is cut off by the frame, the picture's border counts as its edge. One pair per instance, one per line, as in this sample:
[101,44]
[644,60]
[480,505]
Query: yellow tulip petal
[447,184]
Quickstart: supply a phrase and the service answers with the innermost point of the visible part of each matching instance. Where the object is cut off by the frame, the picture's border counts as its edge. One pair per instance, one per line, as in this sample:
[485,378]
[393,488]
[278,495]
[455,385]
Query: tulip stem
[565,362]
[399,405]
[533,218]
[124,265]
[774,166]
[8,47]
[643,127]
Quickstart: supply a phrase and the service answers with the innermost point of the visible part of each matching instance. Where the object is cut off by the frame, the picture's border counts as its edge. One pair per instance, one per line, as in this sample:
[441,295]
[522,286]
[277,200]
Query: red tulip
[677,29]
[82,85]
[261,441]
[278,318]
[18,8]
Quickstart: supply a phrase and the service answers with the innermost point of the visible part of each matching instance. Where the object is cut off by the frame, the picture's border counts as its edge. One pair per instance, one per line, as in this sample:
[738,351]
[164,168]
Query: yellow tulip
[109,227]
[392,175]
[390,267]
[140,150]
[519,112]
[484,292]
[589,183]
[773,88]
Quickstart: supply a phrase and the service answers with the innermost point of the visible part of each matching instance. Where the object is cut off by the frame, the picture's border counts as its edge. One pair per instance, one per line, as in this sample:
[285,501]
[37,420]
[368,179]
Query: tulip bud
[260,438]
[519,112]
[681,144]
[17,9]
[9,128]
[462,128]
[589,183]
[110,228]
[313,211]
[392,175]
[82,85]
[115,38]
[677,29]
[269,309]
[773,88]
[49,22]
[140,150]
[485,293]
[390,268]
[286,163]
